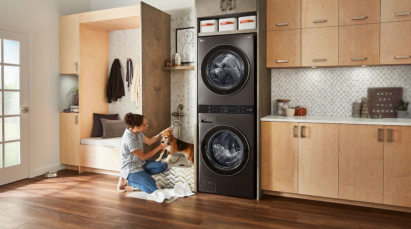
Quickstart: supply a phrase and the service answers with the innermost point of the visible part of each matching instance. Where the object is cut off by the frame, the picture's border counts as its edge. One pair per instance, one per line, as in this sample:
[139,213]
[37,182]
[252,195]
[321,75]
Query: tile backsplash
[331,91]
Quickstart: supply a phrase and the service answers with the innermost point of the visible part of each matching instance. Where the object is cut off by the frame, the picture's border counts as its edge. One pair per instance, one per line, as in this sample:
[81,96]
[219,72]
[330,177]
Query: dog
[175,145]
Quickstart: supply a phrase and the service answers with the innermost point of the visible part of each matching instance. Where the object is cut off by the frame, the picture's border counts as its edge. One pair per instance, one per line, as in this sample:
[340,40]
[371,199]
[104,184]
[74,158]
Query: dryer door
[225,150]
[225,69]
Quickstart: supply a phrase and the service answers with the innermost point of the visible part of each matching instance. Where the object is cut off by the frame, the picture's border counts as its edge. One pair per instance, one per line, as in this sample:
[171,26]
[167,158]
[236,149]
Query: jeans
[143,180]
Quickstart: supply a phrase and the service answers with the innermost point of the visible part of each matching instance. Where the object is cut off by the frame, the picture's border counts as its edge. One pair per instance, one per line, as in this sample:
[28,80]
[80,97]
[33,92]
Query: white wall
[40,18]
[168,6]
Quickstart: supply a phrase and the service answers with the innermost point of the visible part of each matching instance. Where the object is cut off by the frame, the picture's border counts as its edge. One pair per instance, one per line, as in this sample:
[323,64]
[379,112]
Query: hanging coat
[115,86]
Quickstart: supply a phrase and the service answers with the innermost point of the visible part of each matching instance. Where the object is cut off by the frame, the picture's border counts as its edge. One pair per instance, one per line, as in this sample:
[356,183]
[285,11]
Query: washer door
[225,150]
[225,69]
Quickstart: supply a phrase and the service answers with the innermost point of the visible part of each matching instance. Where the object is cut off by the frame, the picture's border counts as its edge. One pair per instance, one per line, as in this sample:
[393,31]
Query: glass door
[13,107]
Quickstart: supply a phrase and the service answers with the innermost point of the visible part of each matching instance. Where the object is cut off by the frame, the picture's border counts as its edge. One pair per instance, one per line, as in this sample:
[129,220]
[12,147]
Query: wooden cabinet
[283,48]
[318,160]
[69,44]
[320,47]
[319,13]
[396,43]
[397,166]
[395,10]
[355,12]
[361,163]
[283,15]
[359,45]
[69,138]
[279,156]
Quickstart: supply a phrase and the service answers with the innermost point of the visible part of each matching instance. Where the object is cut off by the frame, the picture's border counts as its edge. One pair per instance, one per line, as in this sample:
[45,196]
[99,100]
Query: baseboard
[43,170]
[339,201]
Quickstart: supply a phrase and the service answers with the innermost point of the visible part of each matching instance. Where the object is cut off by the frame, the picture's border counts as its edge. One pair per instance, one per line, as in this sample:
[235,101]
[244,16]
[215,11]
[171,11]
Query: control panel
[225,109]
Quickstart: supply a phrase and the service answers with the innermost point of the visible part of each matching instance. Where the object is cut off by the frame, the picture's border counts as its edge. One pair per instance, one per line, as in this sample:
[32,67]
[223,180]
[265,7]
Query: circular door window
[225,70]
[225,150]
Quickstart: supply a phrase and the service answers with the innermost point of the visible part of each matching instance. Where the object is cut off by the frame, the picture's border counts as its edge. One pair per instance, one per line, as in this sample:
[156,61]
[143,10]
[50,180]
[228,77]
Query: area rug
[164,195]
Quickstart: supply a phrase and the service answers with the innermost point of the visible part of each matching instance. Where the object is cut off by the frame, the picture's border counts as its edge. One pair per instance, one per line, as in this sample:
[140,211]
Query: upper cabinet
[69,44]
[359,45]
[320,47]
[283,48]
[319,13]
[282,15]
[396,43]
[355,12]
[209,8]
[395,10]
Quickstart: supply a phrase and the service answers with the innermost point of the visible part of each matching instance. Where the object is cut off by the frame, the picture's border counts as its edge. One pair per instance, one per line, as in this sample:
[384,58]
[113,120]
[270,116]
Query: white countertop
[338,120]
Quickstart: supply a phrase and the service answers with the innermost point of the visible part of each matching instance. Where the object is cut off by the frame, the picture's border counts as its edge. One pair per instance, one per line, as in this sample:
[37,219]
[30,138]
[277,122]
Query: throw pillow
[113,128]
[97,126]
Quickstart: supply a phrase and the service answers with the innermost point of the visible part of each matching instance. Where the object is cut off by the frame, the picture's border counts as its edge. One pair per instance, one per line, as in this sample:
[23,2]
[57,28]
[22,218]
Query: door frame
[30,70]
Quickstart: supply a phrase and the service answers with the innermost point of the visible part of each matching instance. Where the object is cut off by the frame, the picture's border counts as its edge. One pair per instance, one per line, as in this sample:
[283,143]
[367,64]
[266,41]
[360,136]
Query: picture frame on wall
[185,44]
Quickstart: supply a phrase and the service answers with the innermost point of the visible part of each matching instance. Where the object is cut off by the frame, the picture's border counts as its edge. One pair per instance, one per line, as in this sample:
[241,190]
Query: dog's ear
[172,139]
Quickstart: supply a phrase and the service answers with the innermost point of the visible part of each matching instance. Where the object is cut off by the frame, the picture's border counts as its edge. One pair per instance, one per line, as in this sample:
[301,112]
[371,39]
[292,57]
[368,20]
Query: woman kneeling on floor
[135,166]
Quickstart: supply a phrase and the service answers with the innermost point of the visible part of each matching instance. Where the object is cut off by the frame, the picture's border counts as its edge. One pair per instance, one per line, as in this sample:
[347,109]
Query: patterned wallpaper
[331,91]
[124,44]
[183,82]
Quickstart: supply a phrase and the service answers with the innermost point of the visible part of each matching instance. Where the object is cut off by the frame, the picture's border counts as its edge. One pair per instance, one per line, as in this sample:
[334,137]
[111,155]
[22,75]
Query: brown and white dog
[175,145]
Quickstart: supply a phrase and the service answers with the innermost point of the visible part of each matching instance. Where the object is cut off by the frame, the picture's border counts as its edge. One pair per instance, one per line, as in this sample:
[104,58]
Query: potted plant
[73,96]
[402,109]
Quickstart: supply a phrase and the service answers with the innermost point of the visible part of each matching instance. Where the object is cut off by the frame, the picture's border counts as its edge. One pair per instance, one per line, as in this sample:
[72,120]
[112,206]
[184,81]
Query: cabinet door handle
[319,21]
[319,60]
[282,24]
[223,5]
[379,135]
[358,58]
[359,18]
[389,131]
[282,61]
[231,6]
[76,66]
[295,134]
[302,132]
[403,14]
[402,57]
[76,119]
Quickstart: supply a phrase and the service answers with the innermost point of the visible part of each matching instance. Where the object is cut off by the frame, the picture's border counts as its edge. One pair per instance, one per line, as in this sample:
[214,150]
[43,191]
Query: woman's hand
[162,146]
[171,129]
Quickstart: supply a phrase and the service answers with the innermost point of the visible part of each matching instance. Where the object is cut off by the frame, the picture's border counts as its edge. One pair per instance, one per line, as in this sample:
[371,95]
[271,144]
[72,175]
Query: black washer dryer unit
[227,155]
[226,70]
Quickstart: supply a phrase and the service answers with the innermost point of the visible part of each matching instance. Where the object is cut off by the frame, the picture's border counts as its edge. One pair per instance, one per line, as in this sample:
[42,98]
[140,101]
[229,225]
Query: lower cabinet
[318,160]
[397,166]
[361,163]
[279,156]
[367,163]
[69,138]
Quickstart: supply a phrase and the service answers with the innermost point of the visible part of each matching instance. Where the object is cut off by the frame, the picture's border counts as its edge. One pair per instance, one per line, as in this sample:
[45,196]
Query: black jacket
[115,86]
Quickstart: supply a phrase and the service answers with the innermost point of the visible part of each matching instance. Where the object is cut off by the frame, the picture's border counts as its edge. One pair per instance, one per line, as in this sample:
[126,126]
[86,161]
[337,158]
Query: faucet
[178,114]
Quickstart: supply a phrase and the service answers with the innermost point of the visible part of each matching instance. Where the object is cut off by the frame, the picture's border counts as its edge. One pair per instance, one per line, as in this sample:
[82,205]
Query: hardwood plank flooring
[90,200]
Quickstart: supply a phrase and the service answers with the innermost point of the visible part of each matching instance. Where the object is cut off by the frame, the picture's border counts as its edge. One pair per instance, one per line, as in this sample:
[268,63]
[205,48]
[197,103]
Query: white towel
[135,86]
[180,190]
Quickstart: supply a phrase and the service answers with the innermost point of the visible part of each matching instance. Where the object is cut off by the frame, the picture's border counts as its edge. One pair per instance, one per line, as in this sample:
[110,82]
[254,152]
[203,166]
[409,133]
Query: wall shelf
[227,32]
[178,68]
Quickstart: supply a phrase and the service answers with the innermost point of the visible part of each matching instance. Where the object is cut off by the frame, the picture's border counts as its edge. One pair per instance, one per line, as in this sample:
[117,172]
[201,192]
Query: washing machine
[226,149]
[226,70]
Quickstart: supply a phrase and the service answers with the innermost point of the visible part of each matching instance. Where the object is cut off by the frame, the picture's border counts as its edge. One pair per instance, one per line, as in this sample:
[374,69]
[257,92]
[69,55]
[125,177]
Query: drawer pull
[403,14]
[295,135]
[358,58]
[76,120]
[389,135]
[282,61]
[379,135]
[319,21]
[359,18]
[319,60]
[402,57]
[302,132]
[282,24]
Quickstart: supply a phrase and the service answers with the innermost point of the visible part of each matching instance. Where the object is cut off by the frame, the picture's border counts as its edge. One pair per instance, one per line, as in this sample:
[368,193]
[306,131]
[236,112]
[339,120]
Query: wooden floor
[90,200]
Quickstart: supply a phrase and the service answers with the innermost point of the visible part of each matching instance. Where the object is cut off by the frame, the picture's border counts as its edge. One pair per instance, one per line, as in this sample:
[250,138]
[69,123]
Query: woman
[135,166]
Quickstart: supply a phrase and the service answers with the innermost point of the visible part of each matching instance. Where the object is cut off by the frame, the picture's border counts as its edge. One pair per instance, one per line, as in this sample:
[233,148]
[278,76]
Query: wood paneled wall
[93,76]
[155,48]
